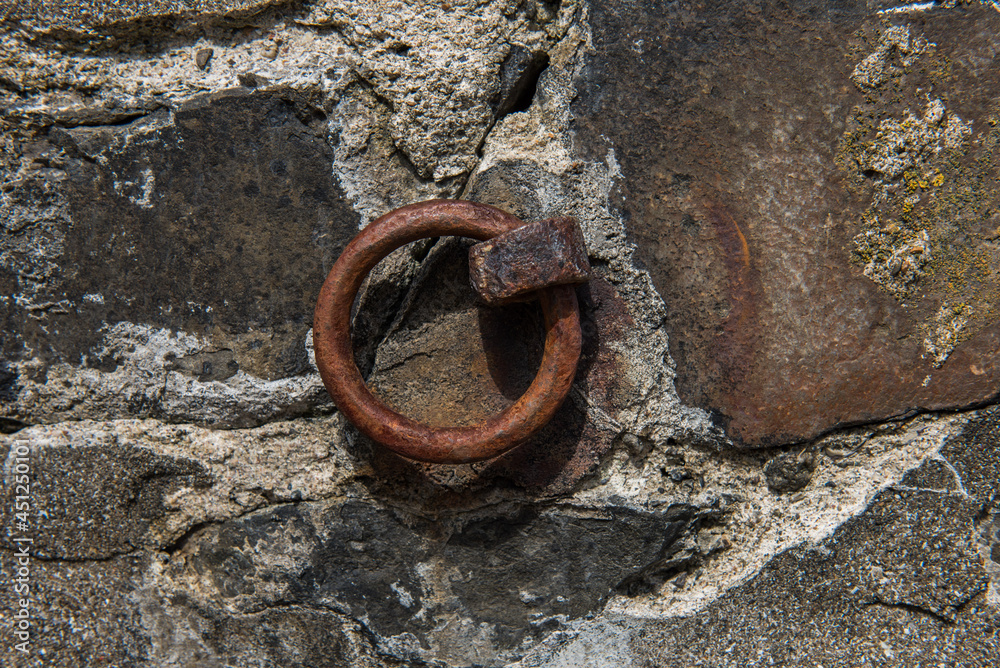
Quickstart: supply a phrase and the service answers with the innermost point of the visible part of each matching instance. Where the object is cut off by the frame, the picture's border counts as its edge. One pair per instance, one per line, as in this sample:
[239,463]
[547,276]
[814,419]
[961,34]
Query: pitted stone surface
[53,16]
[84,614]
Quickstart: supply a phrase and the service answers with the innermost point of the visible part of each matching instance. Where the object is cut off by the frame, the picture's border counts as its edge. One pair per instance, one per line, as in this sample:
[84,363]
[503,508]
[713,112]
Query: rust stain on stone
[735,344]
[574,446]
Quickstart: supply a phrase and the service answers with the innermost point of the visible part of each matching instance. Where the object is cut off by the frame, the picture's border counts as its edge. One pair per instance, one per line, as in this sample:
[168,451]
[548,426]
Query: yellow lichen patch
[928,234]
[894,260]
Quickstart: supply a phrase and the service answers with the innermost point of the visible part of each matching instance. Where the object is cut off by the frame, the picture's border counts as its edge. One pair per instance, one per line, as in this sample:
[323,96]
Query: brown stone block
[822,229]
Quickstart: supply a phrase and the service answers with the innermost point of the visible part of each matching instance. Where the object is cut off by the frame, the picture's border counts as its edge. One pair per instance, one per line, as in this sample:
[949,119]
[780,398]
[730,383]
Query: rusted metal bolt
[335,354]
[514,265]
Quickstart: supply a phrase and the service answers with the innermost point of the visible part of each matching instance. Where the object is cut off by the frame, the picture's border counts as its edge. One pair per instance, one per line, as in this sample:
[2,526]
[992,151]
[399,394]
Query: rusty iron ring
[335,352]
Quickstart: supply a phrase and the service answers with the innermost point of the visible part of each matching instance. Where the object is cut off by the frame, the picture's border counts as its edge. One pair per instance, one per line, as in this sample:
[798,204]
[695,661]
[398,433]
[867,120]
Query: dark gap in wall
[519,75]
[181,541]
[10,425]
[519,87]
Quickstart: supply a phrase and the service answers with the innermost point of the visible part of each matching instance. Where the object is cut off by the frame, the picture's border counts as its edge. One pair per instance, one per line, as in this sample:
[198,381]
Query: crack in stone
[79,560]
[958,476]
[940,616]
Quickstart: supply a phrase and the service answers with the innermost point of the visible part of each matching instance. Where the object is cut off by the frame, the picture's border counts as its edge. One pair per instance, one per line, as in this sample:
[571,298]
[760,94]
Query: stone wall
[782,445]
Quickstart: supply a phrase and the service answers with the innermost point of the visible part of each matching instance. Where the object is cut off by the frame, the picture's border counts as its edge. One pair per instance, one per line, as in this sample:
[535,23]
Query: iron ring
[409,438]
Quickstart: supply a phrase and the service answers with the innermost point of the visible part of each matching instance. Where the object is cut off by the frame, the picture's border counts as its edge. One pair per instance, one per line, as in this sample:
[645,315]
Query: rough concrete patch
[210,475]
[82,17]
[391,135]
[856,466]
[898,585]
[145,382]
[278,463]
[438,69]
[757,524]
[375,175]
[70,88]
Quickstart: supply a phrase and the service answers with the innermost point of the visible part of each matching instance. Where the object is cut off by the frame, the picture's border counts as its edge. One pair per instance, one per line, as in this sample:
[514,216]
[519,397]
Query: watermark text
[19,473]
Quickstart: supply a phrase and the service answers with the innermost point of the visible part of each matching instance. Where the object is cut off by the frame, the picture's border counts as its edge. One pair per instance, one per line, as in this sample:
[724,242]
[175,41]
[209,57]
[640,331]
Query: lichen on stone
[894,259]
[900,145]
[895,52]
[931,180]
[943,333]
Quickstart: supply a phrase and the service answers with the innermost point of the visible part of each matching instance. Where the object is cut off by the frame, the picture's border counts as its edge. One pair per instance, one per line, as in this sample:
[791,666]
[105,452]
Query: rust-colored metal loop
[335,356]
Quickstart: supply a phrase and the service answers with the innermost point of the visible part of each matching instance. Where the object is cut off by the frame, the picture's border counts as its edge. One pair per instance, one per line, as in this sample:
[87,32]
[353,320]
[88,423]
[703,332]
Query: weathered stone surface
[902,584]
[880,607]
[811,189]
[290,636]
[654,528]
[481,582]
[630,532]
[83,15]
[467,592]
[106,488]
[130,230]
[96,501]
